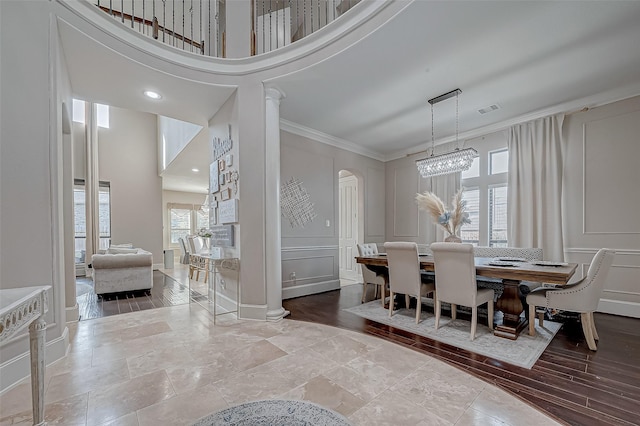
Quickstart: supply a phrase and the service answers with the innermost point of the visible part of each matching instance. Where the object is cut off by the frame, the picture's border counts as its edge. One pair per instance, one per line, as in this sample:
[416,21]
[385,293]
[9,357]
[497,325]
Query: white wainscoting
[315,269]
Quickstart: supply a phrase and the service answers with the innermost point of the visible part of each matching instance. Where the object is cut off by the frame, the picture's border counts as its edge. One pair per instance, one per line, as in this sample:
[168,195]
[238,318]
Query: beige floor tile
[391,409]
[302,365]
[501,405]
[441,389]
[122,350]
[17,400]
[128,420]
[67,412]
[78,382]
[145,330]
[115,401]
[254,355]
[262,382]
[342,348]
[363,378]
[183,409]
[473,417]
[400,360]
[328,394]
[186,377]
[297,336]
[158,360]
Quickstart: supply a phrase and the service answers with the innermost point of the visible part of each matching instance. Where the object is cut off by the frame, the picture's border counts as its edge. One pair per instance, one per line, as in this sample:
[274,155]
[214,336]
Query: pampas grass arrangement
[451,220]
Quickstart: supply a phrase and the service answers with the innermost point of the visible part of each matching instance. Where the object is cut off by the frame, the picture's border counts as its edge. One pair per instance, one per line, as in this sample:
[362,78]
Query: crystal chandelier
[455,161]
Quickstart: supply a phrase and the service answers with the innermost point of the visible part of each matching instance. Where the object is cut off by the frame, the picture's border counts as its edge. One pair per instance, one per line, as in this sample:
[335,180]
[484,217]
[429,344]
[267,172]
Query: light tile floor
[171,366]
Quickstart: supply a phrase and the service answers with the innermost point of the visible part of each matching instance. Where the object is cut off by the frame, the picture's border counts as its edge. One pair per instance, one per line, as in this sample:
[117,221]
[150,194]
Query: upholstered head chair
[456,282]
[404,274]
[582,296]
[369,276]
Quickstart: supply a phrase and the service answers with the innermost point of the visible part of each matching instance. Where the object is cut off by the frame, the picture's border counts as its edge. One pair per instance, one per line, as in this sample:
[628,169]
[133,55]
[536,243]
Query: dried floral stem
[452,220]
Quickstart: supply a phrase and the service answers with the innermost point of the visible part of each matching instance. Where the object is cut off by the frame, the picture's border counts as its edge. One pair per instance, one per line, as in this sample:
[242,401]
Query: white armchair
[582,297]
[369,276]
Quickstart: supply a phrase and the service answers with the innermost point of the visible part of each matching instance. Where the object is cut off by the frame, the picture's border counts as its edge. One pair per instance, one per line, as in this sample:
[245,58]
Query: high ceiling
[526,57]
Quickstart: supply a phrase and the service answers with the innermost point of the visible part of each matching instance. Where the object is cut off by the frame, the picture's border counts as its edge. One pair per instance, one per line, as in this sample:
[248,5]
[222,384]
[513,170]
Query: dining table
[510,274]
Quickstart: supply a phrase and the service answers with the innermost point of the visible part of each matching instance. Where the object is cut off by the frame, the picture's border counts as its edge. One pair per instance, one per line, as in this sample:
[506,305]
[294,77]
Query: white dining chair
[369,277]
[404,275]
[456,282]
[582,296]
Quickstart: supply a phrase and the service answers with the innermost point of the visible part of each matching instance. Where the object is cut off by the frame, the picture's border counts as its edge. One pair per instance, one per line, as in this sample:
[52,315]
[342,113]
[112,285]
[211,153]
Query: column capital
[274,94]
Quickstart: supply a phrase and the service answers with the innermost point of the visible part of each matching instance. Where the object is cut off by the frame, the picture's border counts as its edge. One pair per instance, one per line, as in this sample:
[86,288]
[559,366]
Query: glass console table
[214,283]
[21,308]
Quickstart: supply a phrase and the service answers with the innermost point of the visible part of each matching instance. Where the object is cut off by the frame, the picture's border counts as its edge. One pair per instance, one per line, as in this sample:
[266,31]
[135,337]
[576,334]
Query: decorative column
[273,252]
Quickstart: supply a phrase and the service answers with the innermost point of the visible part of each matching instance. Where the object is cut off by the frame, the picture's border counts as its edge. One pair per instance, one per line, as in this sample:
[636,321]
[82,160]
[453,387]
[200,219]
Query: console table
[21,308]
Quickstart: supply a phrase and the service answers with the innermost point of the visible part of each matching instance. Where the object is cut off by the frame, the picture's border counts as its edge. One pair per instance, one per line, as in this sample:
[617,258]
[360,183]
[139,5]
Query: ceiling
[527,57]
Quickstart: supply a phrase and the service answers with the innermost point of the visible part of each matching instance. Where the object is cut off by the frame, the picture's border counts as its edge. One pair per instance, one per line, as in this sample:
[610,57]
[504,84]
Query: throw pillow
[121,250]
[125,245]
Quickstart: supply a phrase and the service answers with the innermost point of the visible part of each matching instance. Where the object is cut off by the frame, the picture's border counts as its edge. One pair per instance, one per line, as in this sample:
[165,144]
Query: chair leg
[593,327]
[454,311]
[407,301]
[532,320]
[390,303]
[436,304]
[585,318]
[364,291]
[418,309]
[474,321]
[490,314]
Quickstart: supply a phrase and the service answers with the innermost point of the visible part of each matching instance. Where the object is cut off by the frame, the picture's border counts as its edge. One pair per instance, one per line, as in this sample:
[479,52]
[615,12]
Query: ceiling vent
[489,109]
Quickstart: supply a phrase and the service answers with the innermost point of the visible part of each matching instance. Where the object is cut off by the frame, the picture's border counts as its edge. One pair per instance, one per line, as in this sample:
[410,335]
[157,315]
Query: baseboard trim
[619,307]
[15,370]
[252,312]
[72,314]
[307,289]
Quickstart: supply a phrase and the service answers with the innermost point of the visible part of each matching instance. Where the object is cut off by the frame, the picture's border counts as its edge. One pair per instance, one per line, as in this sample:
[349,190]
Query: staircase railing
[199,26]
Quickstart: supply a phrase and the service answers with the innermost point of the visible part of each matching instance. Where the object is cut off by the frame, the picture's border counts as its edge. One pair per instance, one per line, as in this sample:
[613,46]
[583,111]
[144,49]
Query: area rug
[275,412]
[523,352]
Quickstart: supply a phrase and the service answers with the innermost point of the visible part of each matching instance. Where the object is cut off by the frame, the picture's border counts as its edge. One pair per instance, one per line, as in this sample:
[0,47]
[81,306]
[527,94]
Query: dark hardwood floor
[569,382]
[165,292]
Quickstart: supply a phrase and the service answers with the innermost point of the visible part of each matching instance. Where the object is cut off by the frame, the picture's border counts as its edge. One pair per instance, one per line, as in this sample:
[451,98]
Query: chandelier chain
[433,140]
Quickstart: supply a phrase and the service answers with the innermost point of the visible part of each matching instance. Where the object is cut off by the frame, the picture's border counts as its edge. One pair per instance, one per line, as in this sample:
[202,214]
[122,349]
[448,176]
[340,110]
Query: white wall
[312,251]
[31,175]
[602,197]
[173,136]
[127,156]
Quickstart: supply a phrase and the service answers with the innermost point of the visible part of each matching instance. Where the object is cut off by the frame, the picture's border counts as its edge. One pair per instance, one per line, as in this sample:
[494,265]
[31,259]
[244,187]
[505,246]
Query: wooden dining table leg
[511,307]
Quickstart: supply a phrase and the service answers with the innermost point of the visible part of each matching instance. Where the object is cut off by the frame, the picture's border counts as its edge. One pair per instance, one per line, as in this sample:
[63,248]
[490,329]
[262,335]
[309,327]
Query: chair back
[404,267]
[455,273]
[195,244]
[588,292]
[368,249]
[184,257]
[368,276]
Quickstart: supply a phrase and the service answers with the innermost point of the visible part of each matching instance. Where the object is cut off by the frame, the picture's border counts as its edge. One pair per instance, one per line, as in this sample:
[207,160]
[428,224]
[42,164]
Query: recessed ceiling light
[195,170]
[151,94]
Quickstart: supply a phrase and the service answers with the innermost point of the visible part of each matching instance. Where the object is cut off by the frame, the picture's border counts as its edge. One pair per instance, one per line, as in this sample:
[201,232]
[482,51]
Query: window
[498,216]
[102,113]
[180,224]
[485,186]
[186,219]
[80,218]
[470,232]
[498,162]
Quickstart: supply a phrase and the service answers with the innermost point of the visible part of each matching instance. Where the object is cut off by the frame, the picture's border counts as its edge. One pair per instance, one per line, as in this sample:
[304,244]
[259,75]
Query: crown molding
[318,136]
